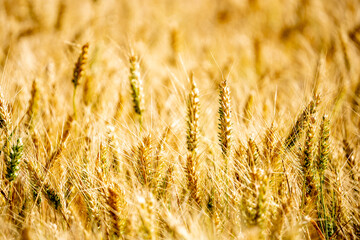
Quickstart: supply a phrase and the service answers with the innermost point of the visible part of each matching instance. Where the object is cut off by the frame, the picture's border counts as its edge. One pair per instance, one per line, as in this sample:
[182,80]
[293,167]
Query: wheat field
[179,119]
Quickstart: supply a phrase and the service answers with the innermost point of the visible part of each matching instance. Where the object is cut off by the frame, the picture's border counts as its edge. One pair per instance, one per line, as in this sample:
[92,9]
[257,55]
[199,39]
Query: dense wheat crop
[180,119]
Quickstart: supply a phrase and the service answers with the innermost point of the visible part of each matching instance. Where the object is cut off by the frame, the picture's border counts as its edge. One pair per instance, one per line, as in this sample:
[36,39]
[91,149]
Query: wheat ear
[79,71]
[136,87]
[248,109]
[116,206]
[300,124]
[144,164]
[13,160]
[308,162]
[192,141]
[225,125]
[322,161]
[323,152]
[5,119]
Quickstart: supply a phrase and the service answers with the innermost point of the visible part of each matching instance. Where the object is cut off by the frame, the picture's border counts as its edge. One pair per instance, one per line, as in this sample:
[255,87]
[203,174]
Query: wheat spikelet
[277,170]
[269,146]
[41,184]
[253,155]
[239,154]
[102,161]
[300,124]
[248,109]
[224,135]
[161,146]
[113,149]
[5,119]
[113,203]
[13,160]
[67,129]
[193,117]
[308,162]
[79,71]
[69,191]
[53,101]
[136,86]
[116,210]
[225,125]
[144,164]
[160,164]
[192,178]
[85,159]
[192,141]
[323,151]
[52,196]
[79,68]
[254,200]
[321,164]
